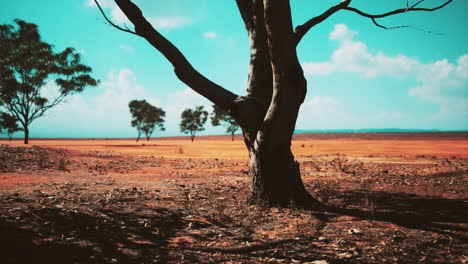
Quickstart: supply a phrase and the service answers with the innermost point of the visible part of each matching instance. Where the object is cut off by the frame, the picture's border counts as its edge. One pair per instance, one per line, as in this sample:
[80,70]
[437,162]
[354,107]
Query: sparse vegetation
[180,150]
[146,118]
[8,125]
[189,210]
[193,121]
[220,117]
[345,165]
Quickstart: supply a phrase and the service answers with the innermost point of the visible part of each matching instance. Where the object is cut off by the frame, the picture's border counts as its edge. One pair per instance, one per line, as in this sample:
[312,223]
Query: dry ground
[396,198]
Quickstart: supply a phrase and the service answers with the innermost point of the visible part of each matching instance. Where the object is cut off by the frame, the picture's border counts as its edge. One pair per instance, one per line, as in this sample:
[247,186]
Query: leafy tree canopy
[146,118]
[8,124]
[220,117]
[193,121]
[27,65]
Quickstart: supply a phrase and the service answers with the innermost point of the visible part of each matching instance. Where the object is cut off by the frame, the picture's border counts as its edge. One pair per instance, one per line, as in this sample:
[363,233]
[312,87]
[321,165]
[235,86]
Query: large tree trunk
[26,135]
[276,178]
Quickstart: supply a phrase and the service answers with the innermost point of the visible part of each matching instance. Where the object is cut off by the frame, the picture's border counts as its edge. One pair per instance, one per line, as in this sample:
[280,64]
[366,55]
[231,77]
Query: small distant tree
[193,121]
[9,125]
[220,117]
[27,65]
[146,118]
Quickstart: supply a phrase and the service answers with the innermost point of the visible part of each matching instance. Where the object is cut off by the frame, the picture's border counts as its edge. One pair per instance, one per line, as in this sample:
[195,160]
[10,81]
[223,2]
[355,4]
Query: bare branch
[404,26]
[259,85]
[417,3]
[112,23]
[13,110]
[182,67]
[301,30]
[397,11]
[40,111]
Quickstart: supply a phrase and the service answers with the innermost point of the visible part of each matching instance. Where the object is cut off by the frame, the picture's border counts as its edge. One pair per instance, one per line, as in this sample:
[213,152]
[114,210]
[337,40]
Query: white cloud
[354,56]
[318,68]
[462,68]
[320,110]
[210,35]
[342,33]
[116,14]
[126,48]
[105,112]
[440,82]
[103,3]
[170,22]
[178,102]
[165,23]
[121,87]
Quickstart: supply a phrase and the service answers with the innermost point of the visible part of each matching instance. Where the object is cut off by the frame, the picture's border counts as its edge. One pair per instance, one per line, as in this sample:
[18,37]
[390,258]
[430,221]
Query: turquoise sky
[359,76]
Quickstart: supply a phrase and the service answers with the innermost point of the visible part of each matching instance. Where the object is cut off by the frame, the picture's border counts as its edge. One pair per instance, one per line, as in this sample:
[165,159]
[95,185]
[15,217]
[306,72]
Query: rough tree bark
[276,89]
[275,173]
[26,134]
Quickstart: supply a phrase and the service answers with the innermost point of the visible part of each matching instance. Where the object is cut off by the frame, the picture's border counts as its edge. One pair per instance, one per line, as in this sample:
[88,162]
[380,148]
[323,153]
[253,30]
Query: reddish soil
[390,198]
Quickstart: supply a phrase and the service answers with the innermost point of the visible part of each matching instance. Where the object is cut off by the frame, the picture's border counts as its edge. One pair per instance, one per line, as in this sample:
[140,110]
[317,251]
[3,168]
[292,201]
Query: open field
[355,144]
[390,198]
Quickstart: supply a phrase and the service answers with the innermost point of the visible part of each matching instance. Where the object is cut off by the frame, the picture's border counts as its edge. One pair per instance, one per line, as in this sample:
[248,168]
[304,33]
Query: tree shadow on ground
[278,251]
[59,236]
[435,214]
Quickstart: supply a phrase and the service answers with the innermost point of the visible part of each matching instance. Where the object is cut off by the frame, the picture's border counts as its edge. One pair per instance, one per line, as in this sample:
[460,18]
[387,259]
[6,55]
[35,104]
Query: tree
[193,121]
[9,125]
[146,118]
[27,65]
[276,87]
[219,117]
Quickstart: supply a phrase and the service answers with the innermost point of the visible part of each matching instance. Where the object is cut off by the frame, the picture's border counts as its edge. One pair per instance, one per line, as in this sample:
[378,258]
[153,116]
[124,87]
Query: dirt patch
[123,205]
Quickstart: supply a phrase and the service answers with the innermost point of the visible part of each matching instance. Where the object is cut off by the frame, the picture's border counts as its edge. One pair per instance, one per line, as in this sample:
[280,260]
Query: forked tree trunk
[232,136]
[192,137]
[276,178]
[148,135]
